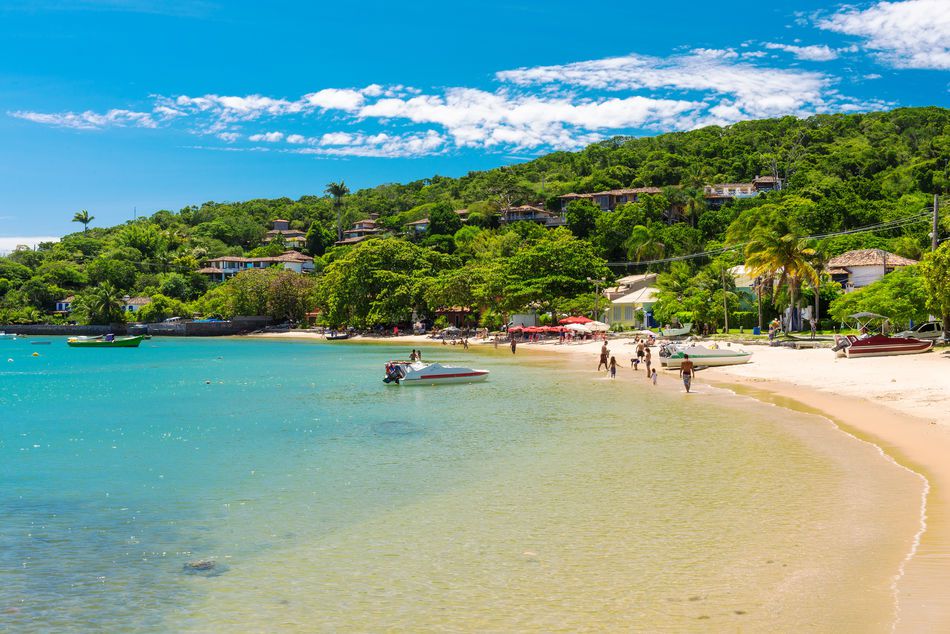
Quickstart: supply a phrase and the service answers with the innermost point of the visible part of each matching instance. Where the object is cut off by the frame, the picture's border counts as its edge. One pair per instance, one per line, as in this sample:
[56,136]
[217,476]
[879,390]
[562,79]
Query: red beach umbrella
[580,319]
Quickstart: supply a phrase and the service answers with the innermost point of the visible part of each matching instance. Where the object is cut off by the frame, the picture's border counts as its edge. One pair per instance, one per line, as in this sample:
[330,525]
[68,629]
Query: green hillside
[840,172]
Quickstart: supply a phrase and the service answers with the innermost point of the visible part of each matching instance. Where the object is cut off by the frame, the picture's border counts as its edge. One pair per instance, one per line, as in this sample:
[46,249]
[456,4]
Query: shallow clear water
[548,498]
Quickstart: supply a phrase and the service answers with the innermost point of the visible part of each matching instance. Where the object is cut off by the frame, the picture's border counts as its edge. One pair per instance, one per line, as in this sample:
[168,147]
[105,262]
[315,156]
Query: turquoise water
[547,498]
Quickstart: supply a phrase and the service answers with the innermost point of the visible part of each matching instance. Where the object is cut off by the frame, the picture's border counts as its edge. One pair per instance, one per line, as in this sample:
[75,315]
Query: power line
[891,224]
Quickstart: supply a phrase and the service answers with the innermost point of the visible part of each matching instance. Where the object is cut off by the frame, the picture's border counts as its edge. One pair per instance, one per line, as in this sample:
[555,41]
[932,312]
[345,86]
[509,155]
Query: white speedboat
[702,357]
[419,373]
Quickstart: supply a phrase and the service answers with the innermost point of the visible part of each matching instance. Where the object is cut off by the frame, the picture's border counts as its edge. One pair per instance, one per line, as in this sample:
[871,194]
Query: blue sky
[115,105]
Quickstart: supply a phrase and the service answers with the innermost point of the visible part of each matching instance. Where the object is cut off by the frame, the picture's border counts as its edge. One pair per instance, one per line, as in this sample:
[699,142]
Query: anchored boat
[106,341]
[418,373]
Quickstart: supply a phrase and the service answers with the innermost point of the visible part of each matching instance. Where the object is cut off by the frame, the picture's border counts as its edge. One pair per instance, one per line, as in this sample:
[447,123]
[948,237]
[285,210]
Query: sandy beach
[900,404]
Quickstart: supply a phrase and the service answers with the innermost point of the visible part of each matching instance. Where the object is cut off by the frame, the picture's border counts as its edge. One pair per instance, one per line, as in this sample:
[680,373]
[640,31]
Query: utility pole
[725,304]
[933,234]
[597,285]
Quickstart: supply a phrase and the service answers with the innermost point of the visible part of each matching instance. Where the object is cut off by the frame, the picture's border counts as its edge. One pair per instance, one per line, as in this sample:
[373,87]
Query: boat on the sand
[105,341]
[337,336]
[672,356]
[671,333]
[851,346]
[419,373]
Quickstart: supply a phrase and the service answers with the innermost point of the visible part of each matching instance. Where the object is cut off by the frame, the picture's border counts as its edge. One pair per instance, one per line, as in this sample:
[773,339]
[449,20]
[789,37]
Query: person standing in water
[648,359]
[604,357]
[514,345]
[686,372]
[613,367]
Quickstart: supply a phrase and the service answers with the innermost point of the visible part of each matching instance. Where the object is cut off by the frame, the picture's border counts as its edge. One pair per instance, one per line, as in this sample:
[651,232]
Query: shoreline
[910,427]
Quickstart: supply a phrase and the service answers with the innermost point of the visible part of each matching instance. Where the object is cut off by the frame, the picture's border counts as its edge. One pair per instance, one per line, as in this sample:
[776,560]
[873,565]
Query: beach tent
[597,326]
[575,320]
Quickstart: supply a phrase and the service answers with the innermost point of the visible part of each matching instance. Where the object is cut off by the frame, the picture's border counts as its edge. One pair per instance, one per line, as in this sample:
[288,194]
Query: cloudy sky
[129,106]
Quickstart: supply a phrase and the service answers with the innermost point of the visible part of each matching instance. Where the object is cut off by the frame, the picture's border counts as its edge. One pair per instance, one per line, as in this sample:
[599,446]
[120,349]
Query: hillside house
[221,269]
[719,194]
[611,199]
[360,230]
[531,213]
[857,269]
[293,238]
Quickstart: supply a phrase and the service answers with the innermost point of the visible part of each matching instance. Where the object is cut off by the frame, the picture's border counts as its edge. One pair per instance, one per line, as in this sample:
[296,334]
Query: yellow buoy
[36,354]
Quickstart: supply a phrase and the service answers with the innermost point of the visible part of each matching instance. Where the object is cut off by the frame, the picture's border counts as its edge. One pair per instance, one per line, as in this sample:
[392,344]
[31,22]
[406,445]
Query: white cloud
[477,118]
[378,145]
[296,138]
[742,89]
[267,137]
[337,99]
[910,34]
[89,120]
[229,137]
[813,53]
[9,243]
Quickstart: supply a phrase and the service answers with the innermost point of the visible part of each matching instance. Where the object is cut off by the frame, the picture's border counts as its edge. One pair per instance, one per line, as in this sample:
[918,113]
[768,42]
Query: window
[628,313]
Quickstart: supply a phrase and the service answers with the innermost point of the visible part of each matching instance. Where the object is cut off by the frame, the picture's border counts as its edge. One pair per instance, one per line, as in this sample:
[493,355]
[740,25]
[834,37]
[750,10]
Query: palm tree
[83,217]
[778,252]
[338,191]
[101,304]
[644,242]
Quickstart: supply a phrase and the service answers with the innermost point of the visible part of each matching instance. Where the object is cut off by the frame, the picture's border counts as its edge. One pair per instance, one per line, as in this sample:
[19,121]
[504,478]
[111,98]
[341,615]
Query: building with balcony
[221,269]
[293,238]
[531,213]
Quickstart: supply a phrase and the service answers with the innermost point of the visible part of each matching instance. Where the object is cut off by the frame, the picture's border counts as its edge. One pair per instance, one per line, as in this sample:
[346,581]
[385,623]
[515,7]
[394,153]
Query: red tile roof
[869,257]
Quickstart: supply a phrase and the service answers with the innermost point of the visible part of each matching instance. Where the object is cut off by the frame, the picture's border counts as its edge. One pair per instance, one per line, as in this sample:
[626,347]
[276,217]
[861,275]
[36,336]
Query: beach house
[631,301]
[293,238]
[65,305]
[221,269]
[859,268]
[134,304]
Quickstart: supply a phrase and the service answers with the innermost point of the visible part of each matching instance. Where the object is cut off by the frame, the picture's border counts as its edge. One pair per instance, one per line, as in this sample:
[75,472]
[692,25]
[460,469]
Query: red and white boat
[418,373]
[878,346]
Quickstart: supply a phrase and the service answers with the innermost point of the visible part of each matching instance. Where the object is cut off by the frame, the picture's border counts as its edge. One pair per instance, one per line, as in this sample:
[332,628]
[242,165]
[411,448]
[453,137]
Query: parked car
[930,330]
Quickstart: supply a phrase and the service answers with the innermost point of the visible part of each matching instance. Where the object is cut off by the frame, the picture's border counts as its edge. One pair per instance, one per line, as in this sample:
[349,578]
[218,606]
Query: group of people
[415,355]
[643,355]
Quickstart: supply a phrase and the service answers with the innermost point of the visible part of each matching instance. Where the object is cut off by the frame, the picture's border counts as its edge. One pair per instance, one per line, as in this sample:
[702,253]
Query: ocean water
[546,499]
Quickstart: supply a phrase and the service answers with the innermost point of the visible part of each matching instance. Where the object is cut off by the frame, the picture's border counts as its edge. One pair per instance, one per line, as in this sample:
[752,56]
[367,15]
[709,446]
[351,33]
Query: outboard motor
[392,374]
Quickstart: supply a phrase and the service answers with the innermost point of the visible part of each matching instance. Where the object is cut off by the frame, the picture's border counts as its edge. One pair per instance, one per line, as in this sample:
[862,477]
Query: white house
[631,299]
[134,304]
[857,269]
[65,305]
[220,269]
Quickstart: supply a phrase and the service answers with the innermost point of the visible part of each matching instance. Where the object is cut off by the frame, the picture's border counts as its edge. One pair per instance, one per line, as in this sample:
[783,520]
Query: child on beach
[653,376]
[613,367]
[635,364]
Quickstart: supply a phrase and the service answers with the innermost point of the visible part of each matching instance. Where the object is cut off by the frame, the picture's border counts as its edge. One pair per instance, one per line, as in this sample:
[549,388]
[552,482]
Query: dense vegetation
[841,172]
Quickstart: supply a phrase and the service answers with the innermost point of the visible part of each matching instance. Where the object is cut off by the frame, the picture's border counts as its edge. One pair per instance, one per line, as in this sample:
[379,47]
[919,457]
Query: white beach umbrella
[597,326]
[578,328]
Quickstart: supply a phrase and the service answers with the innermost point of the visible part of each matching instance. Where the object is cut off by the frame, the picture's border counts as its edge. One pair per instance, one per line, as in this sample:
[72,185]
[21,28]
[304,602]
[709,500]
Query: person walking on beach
[465,343]
[686,372]
[514,345]
[640,348]
[647,359]
[604,358]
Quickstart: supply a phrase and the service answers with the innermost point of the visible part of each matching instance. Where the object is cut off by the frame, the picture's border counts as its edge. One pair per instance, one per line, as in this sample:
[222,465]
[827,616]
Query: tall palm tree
[645,242]
[338,191]
[101,304]
[778,252]
[83,217]
[818,262]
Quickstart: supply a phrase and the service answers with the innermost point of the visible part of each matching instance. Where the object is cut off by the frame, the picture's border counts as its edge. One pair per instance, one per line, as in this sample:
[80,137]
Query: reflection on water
[543,499]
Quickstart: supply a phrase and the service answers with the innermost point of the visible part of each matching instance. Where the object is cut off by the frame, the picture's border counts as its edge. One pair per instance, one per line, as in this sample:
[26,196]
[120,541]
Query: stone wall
[50,330]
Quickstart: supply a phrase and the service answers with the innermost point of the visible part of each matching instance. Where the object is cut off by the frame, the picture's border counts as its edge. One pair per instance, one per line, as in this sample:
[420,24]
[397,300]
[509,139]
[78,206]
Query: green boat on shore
[105,341]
